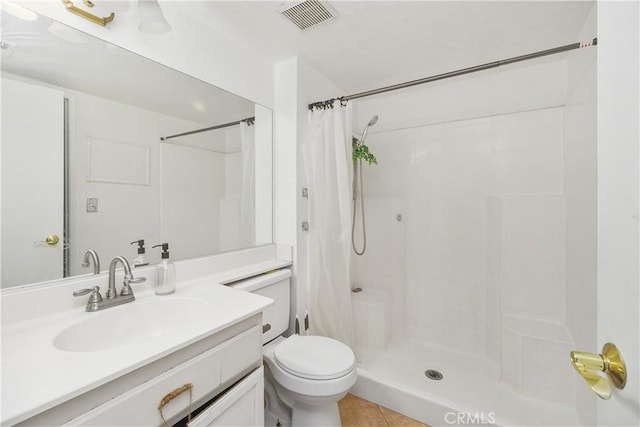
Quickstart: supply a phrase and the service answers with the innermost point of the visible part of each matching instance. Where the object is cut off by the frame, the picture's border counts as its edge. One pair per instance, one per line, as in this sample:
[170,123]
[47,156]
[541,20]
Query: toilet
[305,375]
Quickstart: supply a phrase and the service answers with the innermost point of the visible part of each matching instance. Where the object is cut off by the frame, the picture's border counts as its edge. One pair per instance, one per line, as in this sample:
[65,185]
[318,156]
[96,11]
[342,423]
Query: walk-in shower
[497,239]
[358,191]
[481,240]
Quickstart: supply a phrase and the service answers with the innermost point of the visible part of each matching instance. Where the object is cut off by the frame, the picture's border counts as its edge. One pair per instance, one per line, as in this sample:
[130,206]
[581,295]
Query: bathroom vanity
[157,357]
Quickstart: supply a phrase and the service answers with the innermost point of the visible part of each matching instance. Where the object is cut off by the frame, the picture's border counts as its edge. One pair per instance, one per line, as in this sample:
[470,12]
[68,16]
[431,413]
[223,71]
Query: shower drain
[432,374]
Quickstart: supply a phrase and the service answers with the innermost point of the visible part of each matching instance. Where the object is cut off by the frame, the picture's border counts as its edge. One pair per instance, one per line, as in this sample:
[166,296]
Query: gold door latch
[610,361]
[50,240]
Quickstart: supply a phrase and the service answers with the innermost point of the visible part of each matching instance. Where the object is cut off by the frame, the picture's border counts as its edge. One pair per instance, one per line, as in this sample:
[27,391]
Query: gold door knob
[51,240]
[610,361]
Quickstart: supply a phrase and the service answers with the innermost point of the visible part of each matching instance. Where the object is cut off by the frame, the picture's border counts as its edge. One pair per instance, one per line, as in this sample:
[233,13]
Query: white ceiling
[378,43]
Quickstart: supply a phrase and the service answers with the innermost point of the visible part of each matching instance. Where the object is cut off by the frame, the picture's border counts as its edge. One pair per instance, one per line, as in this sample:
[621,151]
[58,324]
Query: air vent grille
[309,13]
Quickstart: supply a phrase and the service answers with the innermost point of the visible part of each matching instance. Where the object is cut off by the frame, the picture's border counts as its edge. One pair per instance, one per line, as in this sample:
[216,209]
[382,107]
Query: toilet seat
[301,385]
[314,357]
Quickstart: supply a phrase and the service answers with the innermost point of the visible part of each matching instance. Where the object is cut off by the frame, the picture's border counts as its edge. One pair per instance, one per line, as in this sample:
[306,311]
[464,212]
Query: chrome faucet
[93,256]
[112,293]
[112,299]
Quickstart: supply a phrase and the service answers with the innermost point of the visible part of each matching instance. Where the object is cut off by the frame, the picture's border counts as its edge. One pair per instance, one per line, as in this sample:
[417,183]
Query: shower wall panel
[381,269]
[463,268]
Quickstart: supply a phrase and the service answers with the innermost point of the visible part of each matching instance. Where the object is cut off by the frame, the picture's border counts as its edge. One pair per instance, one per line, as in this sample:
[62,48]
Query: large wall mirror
[90,156]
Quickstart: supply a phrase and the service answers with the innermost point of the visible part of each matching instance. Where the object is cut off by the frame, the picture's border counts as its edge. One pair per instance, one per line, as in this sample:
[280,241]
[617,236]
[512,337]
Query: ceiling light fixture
[18,11]
[152,20]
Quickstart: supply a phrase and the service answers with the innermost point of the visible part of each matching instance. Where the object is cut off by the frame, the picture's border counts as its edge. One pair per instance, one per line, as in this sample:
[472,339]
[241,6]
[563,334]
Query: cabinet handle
[266,328]
[172,395]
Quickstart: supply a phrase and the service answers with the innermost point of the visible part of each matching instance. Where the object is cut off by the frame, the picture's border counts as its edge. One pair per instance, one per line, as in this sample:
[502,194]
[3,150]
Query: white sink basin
[131,323]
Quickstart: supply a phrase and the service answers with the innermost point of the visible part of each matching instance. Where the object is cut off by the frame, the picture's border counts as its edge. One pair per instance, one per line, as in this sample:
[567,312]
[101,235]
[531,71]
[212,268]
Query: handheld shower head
[357,178]
[372,122]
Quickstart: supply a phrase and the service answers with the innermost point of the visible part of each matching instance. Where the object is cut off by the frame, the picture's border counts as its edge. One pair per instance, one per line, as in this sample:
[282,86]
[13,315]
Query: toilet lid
[313,357]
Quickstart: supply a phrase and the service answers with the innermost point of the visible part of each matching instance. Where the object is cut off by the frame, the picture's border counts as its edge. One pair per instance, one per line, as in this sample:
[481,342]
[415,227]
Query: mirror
[83,157]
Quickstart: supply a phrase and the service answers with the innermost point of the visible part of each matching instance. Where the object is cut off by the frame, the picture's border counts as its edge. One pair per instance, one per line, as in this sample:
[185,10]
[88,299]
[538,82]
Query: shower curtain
[247,198]
[326,153]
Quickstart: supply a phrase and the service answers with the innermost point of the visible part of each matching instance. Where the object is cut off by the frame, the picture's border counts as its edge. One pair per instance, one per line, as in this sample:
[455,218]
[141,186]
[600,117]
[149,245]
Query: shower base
[469,394]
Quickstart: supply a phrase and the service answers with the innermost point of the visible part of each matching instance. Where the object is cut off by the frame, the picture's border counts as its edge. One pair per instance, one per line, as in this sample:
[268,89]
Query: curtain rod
[248,120]
[329,102]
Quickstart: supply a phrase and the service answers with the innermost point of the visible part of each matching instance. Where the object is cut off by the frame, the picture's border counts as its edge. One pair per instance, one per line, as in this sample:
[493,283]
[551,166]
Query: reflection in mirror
[205,172]
[82,157]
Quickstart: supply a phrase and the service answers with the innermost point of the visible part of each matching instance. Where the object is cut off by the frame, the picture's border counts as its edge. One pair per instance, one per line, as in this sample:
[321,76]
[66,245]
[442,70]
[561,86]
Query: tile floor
[357,412]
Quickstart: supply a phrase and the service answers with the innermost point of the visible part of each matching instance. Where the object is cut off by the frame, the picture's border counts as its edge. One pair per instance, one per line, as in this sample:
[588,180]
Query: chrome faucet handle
[128,279]
[94,298]
[95,293]
[135,279]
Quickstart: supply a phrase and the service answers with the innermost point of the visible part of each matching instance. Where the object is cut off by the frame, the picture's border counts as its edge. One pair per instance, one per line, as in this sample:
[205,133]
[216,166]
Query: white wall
[193,186]
[126,212]
[264,175]
[193,46]
[202,190]
[618,263]
[285,170]
[540,84]
[297,85]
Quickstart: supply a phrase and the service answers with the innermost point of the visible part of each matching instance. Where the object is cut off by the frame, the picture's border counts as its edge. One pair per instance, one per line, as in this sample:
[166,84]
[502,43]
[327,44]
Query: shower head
[372,122]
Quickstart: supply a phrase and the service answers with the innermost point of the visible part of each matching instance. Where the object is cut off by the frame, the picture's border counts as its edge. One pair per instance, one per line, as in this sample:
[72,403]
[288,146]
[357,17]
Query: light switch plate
[92,205]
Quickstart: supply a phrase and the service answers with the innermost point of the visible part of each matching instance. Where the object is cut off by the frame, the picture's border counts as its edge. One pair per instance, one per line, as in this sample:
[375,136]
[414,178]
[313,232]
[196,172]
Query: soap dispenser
[141,259]
[165,273]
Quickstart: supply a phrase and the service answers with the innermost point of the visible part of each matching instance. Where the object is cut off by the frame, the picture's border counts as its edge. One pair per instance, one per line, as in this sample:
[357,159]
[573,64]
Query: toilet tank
[274,285]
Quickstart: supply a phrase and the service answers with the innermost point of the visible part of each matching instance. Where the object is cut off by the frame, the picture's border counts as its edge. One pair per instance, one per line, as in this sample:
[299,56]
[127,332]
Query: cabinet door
[208,374]
[242,405]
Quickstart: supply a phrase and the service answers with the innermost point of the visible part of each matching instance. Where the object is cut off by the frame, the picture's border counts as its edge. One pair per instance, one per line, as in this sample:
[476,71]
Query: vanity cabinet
[223,371]
[241,405]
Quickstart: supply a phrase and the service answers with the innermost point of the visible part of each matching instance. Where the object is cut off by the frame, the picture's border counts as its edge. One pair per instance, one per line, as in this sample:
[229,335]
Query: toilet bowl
[311,374]
[305,375]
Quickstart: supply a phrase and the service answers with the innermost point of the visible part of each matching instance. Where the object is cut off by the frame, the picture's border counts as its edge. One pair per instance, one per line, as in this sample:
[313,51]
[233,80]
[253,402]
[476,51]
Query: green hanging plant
[361,151]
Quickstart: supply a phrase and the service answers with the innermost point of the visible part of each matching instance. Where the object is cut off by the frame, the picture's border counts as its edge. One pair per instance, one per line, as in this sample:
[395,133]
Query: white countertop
[37,376]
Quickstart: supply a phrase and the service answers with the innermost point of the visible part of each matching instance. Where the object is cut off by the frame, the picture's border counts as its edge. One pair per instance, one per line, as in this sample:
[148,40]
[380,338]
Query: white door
[618,140]
[32,153]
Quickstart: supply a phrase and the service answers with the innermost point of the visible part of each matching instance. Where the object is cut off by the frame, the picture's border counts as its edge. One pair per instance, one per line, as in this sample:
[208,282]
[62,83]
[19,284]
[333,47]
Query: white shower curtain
[247,198]
[326,155]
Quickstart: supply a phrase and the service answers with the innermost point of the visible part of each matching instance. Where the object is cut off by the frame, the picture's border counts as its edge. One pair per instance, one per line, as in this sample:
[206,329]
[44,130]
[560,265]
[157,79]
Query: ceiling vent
[308,13]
